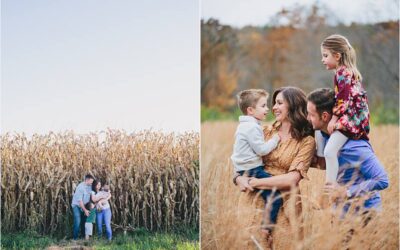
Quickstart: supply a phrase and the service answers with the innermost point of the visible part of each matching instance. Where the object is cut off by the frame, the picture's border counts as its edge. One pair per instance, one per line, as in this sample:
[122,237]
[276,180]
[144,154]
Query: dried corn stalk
[154,178]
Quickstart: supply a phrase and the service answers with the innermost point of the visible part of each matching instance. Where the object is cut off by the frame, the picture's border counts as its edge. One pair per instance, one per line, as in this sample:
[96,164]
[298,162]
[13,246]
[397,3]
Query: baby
[105,192]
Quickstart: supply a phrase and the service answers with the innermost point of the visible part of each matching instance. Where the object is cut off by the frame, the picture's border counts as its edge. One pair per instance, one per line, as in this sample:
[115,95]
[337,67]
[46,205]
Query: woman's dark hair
[297,111]
[94,184]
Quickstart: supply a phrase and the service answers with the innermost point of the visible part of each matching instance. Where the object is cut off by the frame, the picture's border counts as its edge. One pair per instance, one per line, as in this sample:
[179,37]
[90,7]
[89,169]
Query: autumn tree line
[287,52]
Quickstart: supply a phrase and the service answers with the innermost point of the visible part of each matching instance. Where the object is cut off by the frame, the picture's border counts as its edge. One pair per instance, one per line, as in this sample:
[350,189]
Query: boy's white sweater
[250,145]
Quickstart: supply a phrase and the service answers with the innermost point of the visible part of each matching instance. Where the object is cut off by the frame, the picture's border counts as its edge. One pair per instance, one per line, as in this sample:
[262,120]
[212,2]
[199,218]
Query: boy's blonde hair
[339,44]
[249,98]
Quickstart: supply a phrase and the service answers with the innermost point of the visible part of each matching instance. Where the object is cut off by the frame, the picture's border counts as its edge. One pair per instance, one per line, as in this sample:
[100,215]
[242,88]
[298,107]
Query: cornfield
[153,178]
[322,229]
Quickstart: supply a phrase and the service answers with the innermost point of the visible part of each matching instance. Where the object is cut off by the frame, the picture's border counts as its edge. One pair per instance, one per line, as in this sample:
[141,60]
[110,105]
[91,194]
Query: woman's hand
[243,183]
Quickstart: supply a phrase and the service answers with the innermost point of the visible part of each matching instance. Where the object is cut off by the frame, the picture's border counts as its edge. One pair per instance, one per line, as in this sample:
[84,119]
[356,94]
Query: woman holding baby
[100,196]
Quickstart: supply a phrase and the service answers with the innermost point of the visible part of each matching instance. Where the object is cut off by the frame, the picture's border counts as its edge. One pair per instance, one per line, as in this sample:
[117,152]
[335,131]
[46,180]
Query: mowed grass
[140,239]
[219,198]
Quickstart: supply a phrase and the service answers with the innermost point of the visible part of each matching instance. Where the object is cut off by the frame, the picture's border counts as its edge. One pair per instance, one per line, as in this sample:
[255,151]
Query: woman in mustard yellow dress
[288,164]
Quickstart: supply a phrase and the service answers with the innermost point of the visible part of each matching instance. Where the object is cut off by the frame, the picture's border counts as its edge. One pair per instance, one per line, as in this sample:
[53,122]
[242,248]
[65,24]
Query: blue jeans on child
[277,200]
[104,217]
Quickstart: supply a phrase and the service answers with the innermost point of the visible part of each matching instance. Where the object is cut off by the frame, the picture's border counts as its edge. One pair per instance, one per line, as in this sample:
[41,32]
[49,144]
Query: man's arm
[79,193]
[374,175]
[374,179]
[81,205]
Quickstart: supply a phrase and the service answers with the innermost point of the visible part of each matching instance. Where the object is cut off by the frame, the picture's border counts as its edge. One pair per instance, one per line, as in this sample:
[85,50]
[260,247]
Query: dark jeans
[79,217]
[268,195]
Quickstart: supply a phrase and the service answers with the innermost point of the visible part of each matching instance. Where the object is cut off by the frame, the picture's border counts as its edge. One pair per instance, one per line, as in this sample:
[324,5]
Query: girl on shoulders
[351,113]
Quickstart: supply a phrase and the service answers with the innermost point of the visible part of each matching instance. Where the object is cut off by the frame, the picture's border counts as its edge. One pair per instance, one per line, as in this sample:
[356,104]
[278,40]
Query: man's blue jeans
[277,201]
[78,214]
[104,217]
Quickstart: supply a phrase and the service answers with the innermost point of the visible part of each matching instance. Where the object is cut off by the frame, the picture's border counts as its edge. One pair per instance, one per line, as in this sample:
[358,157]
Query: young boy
[90,220]
[250,145]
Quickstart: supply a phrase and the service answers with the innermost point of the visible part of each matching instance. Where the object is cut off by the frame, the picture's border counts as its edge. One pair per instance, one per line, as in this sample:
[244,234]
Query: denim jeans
[104,217]
[78,218]
[277,201]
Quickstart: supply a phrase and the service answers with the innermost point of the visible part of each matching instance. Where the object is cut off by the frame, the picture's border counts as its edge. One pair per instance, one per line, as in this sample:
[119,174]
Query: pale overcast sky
[240,13]
[91,64]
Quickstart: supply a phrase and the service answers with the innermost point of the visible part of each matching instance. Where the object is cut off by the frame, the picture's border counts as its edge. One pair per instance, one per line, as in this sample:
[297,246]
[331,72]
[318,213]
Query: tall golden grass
[153,176]
[322,230]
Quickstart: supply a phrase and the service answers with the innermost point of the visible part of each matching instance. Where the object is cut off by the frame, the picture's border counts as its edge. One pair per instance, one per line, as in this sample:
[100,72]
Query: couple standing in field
[273,160]
[90,205]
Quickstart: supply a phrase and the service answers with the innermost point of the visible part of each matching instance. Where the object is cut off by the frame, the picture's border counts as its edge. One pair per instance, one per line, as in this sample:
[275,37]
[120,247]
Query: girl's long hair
[297,111]
[339,44]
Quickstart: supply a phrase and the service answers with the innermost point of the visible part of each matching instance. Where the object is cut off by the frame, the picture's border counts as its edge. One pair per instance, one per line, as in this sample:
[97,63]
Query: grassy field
[140,239]
[219,197]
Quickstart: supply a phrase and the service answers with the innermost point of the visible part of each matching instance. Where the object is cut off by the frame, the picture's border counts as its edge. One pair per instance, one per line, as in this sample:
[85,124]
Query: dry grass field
[154,179]
[219,198]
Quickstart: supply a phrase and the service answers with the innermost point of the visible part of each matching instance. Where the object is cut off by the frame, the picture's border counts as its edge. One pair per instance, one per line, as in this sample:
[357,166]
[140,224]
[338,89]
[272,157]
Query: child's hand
[331,126]
[276,138]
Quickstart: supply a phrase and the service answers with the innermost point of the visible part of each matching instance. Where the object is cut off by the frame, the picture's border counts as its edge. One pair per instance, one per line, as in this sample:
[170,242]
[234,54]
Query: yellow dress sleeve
[303,158]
